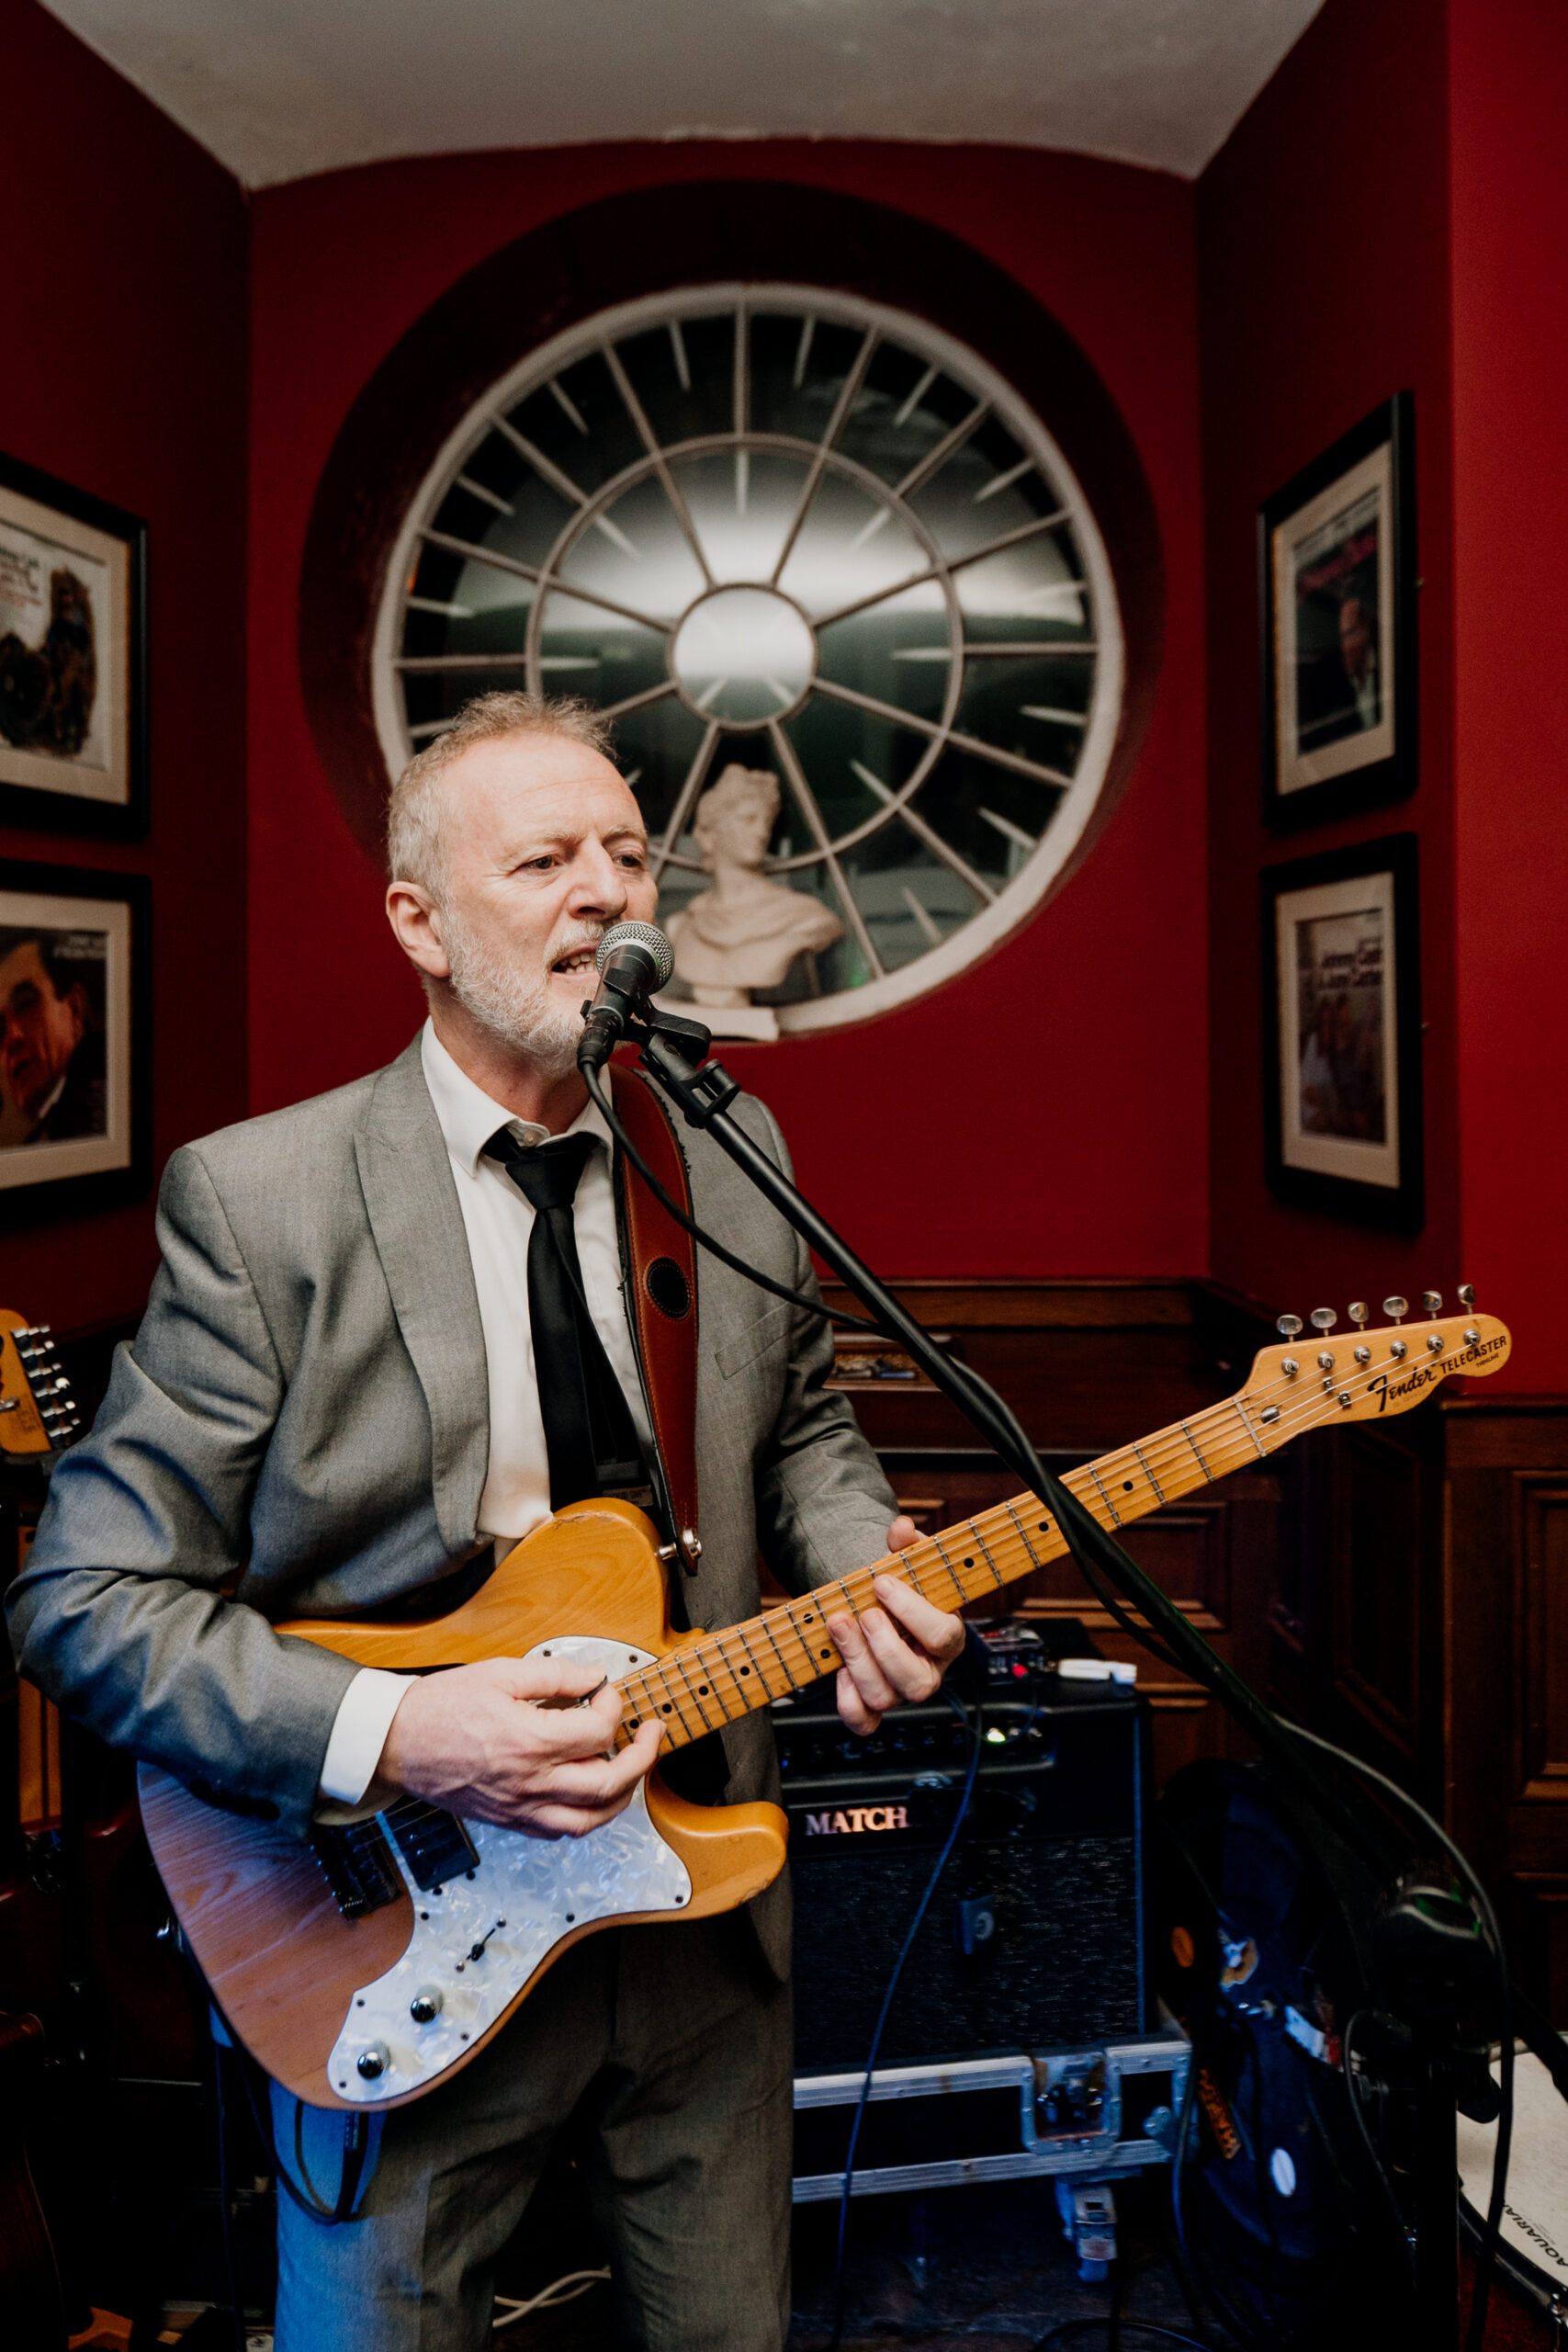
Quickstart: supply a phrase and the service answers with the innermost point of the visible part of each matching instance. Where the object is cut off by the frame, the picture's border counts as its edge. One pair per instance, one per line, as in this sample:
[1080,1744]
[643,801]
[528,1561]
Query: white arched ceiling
[277,89]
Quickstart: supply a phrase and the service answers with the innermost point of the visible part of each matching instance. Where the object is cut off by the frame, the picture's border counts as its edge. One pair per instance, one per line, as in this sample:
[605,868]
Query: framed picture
[1336,597]
[72,658]
[1342,1031]
[75,1091]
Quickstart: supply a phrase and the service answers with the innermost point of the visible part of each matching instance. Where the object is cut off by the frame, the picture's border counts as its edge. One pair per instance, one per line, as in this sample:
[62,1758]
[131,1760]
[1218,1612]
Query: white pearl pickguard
[539,1889]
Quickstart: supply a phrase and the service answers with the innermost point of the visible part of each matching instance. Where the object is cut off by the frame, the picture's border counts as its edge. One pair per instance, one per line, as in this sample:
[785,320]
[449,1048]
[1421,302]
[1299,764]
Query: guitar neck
[717,1677]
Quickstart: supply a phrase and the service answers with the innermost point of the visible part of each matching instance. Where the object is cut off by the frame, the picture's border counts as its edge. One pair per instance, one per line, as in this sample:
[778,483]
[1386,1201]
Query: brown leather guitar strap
[663,1288]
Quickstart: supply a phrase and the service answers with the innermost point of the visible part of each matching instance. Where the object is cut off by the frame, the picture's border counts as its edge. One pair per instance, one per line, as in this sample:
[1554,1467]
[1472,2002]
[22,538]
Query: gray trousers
[670,2049]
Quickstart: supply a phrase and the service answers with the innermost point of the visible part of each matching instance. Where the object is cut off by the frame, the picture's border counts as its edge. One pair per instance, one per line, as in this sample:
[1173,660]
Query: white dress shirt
[497,1222]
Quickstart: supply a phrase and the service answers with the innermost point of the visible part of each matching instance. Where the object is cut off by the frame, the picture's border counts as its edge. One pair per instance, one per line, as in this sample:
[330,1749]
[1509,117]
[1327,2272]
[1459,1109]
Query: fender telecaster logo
[861,1816]
[1423,1375]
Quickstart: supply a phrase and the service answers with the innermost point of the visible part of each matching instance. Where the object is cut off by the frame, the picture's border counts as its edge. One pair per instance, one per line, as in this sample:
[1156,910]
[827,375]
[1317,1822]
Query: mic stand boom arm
[672,1049]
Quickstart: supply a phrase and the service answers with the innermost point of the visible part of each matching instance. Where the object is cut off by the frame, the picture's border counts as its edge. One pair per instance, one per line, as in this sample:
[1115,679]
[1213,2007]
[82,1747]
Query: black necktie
[589,1432]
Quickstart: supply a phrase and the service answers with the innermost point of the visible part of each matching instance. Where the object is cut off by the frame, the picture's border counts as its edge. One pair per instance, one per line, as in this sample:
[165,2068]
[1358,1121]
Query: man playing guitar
[389,1335]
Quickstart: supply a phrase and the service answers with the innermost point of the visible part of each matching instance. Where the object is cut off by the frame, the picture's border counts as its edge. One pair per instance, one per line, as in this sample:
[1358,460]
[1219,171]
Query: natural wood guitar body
[282,1962]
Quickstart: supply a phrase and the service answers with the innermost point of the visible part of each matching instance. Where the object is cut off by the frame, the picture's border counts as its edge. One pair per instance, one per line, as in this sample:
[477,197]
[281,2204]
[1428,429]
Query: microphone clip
[689,1039]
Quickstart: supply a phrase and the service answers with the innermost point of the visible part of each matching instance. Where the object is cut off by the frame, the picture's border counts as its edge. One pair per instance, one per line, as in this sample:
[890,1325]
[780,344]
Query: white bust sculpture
[746,932]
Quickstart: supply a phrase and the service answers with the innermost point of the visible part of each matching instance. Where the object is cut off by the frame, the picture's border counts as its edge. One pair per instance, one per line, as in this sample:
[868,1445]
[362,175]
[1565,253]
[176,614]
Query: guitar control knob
[1396,1309]
[372,2063]
[1432,1301]
[427,2004]
[1288,1326]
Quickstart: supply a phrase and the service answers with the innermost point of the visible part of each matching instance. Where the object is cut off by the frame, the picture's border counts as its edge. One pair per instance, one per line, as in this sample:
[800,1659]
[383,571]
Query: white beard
[517,1007]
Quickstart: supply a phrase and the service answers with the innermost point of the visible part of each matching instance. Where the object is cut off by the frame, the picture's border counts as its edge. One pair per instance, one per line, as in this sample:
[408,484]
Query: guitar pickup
[434,1845]
[358,1865]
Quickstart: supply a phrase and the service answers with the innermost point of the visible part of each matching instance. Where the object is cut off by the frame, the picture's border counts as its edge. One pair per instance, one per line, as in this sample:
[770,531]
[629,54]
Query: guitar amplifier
[1035,1936]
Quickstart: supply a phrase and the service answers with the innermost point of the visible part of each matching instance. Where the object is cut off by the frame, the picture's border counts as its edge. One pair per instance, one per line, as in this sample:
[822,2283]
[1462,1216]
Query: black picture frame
[73,1190]
[1336,1065]
[118,539]
[1334,743]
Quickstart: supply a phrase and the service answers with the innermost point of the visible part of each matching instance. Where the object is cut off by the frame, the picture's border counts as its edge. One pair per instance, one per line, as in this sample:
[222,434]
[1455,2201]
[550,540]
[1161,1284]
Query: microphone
[634,959]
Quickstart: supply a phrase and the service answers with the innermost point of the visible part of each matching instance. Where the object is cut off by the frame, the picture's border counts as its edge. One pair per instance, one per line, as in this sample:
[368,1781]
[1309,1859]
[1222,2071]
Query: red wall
[124,373]
[1323,241]
[1069,1138]
[1510,85]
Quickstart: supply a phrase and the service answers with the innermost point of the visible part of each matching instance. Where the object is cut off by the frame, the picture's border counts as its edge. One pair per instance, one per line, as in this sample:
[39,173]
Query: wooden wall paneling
[1505,1625]
[1377,1582]
[1538,1810]
[1086,1365]
[1540,1582]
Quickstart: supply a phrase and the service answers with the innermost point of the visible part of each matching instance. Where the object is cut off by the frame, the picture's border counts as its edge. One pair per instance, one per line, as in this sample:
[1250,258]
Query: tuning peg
[1396,1309]
[1288,1326]
[1357,1311]
[1466,1293]
[1323,1318]
[1432,1302]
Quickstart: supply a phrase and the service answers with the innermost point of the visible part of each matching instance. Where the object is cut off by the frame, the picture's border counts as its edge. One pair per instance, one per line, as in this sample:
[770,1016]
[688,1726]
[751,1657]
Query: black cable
[706,1240]
[1144,1636]
[1066,2327]
[355,2143]
[1186,2269]
[226,2215]
[972,1731]
[1486,2253]
[1347,2049]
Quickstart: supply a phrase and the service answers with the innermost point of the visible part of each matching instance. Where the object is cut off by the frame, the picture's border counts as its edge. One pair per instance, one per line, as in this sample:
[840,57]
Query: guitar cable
[1486,2253]
[706,1240]
[972,1731]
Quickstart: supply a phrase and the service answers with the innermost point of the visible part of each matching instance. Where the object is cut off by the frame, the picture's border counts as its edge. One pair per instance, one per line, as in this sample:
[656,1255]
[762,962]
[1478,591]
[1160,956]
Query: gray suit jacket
[301,1428]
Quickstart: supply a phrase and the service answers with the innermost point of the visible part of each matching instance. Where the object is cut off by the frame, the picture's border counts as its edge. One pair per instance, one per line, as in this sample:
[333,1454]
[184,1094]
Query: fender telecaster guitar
[364,1969]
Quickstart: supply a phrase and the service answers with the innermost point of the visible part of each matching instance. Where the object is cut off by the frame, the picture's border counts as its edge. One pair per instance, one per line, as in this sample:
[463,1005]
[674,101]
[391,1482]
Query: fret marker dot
[968,1564]
[745,1670]
[1126,1486]
[1044,1527]
[667,1709]
[702,1689]
[826,1653]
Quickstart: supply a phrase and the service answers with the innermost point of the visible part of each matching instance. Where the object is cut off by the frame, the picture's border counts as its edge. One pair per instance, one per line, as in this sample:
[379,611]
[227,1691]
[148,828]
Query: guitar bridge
[358,1865]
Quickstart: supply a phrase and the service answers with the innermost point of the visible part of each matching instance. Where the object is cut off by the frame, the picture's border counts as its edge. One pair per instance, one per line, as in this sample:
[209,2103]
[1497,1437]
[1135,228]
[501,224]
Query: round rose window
[821,563]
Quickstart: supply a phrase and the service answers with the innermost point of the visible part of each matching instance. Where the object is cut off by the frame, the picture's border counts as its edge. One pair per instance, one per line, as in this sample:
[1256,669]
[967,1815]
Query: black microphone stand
[675,1050]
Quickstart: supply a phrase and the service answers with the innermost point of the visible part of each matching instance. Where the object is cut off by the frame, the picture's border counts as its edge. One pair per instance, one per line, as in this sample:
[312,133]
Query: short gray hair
[416,831]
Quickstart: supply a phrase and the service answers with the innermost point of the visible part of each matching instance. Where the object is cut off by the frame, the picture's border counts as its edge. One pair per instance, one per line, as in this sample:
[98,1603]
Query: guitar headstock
[1320,1375]
[38,1411]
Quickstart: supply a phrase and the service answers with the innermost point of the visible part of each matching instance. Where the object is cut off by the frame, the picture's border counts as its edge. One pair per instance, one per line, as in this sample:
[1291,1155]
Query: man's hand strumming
[504,1741]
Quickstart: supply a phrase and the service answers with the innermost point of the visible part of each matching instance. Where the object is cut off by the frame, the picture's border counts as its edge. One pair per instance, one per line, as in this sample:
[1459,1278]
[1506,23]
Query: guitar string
[855,1591]
[1171,1447]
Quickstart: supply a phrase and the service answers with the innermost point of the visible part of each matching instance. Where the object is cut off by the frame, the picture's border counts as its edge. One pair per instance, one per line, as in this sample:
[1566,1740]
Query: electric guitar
[365,1968]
